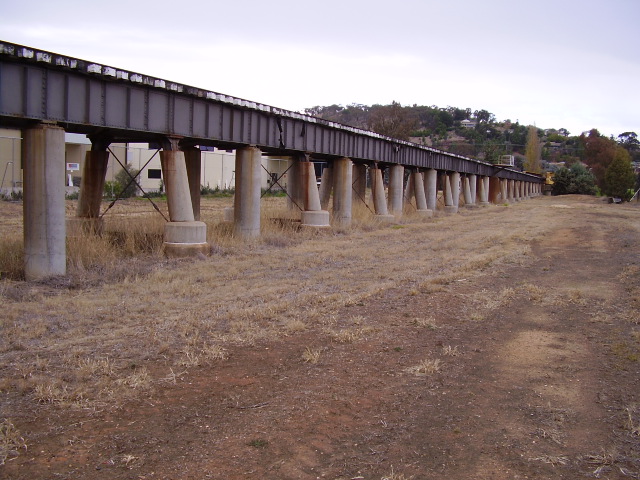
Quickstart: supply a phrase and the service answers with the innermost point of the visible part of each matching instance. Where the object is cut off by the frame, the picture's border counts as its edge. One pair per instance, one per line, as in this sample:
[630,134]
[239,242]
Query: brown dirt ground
[539,378]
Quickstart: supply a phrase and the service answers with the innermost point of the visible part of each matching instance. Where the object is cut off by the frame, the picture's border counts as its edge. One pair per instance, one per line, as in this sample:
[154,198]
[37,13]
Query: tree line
[586,163]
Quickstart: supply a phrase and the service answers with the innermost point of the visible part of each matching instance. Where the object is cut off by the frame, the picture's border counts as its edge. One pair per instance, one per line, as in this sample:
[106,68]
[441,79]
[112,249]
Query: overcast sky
[554,63]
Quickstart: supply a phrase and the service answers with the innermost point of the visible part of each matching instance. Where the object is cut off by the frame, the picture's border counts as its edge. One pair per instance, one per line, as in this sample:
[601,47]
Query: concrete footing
[319,218]
[185,239]
[450,209]
[424,213]
[385,218]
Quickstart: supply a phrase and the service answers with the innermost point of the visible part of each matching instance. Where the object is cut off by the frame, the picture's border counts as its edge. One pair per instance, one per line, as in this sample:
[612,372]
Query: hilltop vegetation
[478,134]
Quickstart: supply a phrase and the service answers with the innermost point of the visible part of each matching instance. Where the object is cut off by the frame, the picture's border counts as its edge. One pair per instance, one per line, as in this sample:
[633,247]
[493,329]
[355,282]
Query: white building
[218,166]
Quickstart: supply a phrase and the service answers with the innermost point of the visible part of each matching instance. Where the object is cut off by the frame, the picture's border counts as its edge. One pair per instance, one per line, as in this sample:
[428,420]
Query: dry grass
[11,442]
[425,367]
[311,355]
[139,308]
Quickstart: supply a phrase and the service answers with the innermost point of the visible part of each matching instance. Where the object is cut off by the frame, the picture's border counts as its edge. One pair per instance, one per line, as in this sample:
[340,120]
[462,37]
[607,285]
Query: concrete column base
[484,204]
[385,218]
[450,209]
[185,239]
[77,226]
[319,218]
[424,213]
[228,214]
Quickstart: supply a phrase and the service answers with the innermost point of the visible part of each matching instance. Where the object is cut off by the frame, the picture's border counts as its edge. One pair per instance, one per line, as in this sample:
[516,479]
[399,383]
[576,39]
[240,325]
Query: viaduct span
[46,94]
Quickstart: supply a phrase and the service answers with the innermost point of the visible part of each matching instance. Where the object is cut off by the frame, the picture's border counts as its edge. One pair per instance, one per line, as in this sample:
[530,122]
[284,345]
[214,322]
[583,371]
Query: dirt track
[539,377]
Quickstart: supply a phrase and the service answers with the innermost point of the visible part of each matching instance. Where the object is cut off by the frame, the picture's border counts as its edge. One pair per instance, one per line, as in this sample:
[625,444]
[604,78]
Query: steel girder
[118,105]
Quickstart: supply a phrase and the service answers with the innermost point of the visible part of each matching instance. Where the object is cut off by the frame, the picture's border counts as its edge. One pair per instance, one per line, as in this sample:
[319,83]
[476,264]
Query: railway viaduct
[46,94]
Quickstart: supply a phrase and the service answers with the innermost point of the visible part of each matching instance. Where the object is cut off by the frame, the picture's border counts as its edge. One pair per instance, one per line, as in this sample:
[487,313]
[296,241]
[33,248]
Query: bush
[127,187]
[574,180]
[619,177]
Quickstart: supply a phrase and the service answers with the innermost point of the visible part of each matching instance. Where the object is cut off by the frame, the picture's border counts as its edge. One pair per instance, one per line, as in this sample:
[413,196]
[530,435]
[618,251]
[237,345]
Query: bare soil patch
[499,343]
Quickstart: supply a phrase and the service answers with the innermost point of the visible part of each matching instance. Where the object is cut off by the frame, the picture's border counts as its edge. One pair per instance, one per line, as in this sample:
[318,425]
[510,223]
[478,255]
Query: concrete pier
[43,206]
[417,181]
[449,206]
[511,196]
[326,184]
[312,215]
[504,190]
[295,190]
[455,189]
[483,185]
[469,201]
[342,197]
[193,161]
[379,199]
[246,201]
[473,186]
[94,173]
[359,176]
[183,235]
[431,189]
[396,190]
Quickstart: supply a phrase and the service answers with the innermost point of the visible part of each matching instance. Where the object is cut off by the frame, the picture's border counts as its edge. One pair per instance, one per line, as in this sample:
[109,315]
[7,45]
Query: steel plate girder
[83,103]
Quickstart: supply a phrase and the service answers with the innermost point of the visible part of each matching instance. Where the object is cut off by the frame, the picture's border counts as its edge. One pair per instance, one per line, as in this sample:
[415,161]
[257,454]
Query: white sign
[73,167]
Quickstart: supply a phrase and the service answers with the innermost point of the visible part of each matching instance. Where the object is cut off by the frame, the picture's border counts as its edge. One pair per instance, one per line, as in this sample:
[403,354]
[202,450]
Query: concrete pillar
[294,185]
[183,235]
[396,190]
[495,189]
[359,190]
[377,192]
[466,188]
[504,191]
[421,198]
[473,185]
[455,189]
[511,191]
[409,191]
[483,184]
[193,161]
[43,205]
[246,201]
[450,195]
[313,215]
[94,173]
[431,189]
[326,184]
[342,180]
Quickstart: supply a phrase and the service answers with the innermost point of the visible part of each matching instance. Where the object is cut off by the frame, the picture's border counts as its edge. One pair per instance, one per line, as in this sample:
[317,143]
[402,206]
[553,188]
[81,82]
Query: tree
[574,180]
[598,154]
[533,151]
[392,120]
[619,176]
[126,187]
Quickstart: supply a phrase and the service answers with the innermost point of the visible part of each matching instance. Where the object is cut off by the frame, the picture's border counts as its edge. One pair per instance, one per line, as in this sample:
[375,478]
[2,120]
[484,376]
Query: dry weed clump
[395,476]
[449,351]
[428,323]
[350,335]
[425,367]
[11,442]
[632,422]
[311,355]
